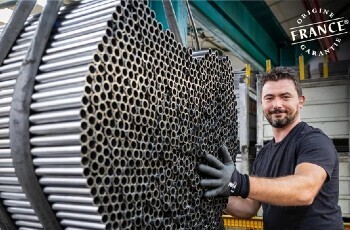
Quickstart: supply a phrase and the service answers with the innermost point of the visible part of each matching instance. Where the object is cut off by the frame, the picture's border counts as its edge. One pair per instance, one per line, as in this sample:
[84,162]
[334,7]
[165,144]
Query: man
[295,176]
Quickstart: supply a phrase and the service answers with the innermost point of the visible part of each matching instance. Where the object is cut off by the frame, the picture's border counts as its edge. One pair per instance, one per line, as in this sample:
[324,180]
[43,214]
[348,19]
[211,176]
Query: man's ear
[301,101]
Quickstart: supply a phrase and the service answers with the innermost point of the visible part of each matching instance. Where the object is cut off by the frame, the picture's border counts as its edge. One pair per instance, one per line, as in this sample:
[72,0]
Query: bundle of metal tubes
[11,193]
[120,116]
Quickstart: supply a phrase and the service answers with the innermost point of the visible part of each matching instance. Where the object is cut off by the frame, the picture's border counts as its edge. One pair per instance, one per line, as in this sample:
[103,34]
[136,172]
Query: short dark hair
[279,73]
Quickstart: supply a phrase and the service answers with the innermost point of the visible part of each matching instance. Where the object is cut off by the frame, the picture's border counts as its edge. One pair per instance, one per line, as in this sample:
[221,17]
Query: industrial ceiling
[274,19]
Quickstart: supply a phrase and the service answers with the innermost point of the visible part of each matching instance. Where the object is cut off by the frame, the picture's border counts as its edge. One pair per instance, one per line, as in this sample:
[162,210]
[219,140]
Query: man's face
[280,102]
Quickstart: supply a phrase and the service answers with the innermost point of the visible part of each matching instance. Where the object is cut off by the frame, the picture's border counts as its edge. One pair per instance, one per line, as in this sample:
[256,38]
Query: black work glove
[223,178]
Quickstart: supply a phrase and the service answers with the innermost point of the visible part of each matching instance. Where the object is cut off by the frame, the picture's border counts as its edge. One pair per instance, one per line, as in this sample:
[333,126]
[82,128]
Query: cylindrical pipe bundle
[120,116]
[8,73]
[11,193]
[55,119]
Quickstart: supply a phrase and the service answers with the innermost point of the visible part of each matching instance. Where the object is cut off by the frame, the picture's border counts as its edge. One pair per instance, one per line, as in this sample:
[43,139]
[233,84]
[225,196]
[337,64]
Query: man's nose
[277,103]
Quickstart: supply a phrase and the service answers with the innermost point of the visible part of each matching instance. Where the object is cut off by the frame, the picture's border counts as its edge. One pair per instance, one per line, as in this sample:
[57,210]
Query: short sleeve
[317,148]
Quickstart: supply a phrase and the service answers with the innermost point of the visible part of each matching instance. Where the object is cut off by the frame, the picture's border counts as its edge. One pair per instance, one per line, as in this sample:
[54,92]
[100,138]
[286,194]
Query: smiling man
[295,176]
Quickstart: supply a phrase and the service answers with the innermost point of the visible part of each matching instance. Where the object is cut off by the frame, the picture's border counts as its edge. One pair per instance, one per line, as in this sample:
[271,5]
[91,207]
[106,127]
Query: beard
[283,121]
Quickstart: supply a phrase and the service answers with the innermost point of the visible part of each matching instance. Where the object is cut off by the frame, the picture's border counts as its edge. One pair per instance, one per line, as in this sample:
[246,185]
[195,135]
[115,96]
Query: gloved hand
[224,179]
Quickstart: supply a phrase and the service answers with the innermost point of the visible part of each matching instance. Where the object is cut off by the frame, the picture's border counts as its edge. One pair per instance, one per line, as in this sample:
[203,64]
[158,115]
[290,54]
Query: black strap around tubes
[6,222]
[19,118]
[8,38]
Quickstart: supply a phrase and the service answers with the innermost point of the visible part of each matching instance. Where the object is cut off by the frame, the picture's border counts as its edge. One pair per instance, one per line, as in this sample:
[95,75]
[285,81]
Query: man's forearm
[283,191]
[291,190]
[294,190]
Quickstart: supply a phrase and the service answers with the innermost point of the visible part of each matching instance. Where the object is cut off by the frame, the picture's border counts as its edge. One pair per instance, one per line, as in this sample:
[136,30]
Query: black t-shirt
[303,144]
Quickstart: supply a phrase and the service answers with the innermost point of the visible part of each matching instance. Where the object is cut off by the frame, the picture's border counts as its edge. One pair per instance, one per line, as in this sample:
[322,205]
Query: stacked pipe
[11,193]
[121,115]
[13,196]
[55,118]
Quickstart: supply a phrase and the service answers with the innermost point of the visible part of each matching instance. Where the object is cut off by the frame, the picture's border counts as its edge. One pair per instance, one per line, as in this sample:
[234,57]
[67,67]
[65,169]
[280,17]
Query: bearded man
[295,176]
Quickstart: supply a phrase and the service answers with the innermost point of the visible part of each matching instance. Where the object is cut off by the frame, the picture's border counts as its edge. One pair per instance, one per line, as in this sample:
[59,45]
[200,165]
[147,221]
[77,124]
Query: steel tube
[77,208]
[9,67]
[59,116]
[57,161]
[18,50]
[4,133]
[72,139]
[56,104]
[72,8]
[77,7]
[95,14]
[66,63]
[46,180]
[55,85]
[61,33]
[83,224]
[5,111]
[58,94]
[78,216]
[60,128]
[74,228]
[9,180]
[5,101]
[9,195]
[86,42]
[20,210]
[8,84]
[9,75]
[6,162]
[67,73]
[59,171]
[77,38]
[89,9]
[70,199]
[81,31]
[6,93]
[29,224]
[17,203]
[10,188]
[66,190]
[81,24]
[25,217]
[56,151]
[17,58]
[7,170]
[69,53]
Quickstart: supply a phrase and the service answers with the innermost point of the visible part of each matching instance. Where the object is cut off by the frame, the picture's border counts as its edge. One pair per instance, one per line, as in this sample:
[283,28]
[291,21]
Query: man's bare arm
[294,190]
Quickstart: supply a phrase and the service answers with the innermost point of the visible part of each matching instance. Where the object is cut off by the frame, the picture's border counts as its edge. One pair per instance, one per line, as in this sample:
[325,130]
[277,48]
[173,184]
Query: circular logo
[325,27]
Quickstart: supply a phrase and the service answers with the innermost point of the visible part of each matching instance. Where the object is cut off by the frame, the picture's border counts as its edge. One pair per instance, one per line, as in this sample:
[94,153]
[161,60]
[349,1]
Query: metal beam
[263,14]
[171,19]
[233,23]
[180,11]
